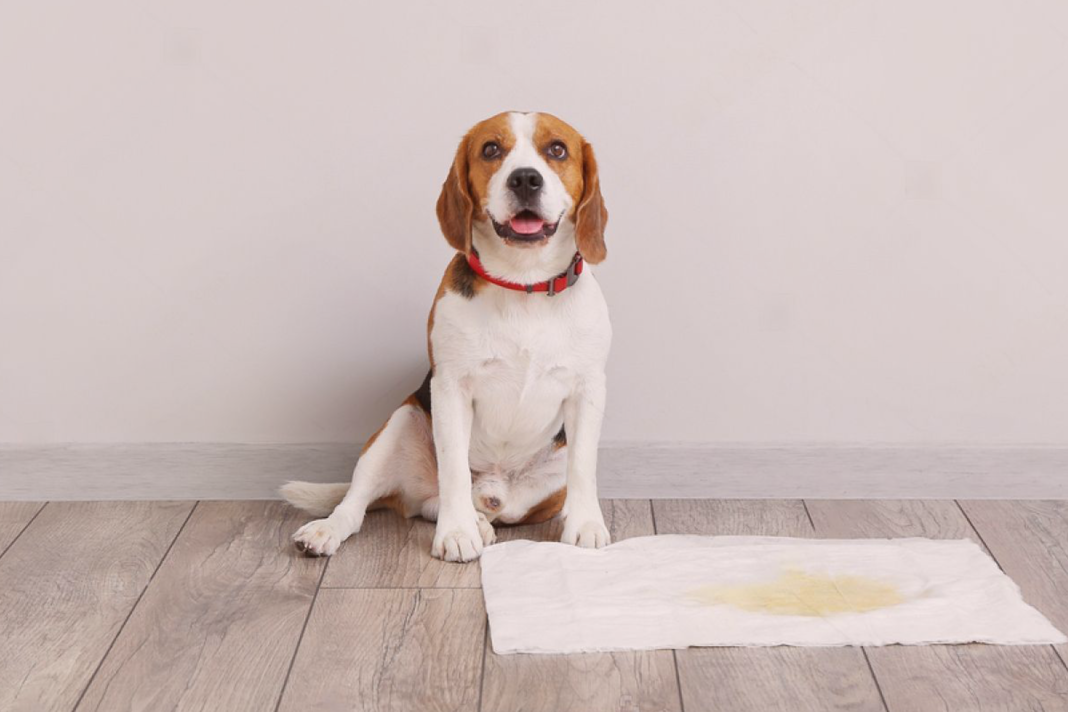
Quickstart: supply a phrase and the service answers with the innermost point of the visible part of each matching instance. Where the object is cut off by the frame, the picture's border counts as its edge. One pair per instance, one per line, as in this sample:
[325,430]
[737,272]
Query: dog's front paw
[458,540]
[588,533]
[318,538]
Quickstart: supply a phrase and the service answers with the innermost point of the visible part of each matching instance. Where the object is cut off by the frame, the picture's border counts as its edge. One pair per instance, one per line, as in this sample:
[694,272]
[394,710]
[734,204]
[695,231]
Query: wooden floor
[207,606]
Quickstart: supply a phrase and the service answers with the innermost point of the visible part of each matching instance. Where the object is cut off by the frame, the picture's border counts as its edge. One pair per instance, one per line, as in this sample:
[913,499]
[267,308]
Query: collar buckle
[570,276]
[572,272]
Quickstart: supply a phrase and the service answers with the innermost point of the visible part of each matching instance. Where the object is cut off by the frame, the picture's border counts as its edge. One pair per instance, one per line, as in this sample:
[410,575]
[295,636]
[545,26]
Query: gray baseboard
[627,470]
[837,471]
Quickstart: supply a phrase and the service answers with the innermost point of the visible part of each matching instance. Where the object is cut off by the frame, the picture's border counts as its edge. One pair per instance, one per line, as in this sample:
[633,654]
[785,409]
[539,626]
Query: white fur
[314,498]
[510,369]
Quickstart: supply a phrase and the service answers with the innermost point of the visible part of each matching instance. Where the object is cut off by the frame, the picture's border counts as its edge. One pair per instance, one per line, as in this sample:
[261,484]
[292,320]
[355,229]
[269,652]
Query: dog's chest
[524,362]
[520,356]
[524,372]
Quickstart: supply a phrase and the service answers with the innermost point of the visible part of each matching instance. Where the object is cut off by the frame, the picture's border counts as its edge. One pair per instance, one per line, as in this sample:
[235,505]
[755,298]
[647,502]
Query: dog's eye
[491,150]
[557,150]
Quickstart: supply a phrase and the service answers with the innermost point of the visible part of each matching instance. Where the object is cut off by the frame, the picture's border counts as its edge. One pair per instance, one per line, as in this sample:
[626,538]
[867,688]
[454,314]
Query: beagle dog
[505,427]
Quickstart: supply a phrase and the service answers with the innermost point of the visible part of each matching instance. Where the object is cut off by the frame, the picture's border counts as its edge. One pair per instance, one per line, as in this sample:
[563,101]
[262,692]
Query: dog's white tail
[314,498]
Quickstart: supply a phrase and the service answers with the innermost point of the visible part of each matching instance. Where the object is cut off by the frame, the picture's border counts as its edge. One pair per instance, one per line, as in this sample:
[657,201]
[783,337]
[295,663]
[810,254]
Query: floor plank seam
[808,514]
[674,653]
[300,638]
[875,679]
[401,588]
[678,679]
[133,608]
[979,535]
[8,547]
[1059,654]
[482,675]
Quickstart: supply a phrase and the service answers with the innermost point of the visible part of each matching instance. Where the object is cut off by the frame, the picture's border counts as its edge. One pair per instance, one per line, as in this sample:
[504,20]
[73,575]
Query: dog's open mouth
[525,226]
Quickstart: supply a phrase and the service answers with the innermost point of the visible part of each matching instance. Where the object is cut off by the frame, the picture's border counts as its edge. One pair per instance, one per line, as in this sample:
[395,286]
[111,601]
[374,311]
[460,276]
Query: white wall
[830,221]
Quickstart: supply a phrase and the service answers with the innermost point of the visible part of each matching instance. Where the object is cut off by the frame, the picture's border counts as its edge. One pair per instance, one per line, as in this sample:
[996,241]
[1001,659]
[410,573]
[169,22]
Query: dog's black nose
[525,182]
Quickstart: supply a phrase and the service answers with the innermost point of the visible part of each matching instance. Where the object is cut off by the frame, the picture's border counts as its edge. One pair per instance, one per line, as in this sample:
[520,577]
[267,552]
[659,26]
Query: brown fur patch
[458,278]
[374,436]
[390,501]
[591,216]
[463,279]
[480,170]
[549,129]
[455,208]
[465,190]
[546,509]
[579,175]
[421,398]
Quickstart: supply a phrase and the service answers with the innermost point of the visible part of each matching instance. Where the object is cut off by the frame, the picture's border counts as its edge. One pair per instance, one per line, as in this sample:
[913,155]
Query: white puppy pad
[681,591]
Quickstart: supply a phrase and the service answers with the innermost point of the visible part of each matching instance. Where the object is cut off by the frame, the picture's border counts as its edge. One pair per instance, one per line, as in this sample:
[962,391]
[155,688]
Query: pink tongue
[526,225]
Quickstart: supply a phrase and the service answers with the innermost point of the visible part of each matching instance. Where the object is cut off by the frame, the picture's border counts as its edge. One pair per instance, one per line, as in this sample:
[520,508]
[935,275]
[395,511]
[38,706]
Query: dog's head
[522,185]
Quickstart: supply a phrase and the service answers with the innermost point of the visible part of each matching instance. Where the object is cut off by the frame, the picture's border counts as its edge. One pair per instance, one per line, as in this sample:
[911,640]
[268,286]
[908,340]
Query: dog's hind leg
[396,468]
[430,508]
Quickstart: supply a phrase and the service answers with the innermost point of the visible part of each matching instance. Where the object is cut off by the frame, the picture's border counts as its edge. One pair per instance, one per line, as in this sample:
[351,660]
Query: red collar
[550,286]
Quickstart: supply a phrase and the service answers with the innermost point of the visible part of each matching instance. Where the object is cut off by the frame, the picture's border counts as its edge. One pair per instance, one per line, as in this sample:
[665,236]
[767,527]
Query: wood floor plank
[14,516]
[67,585]
[1030,541]
[587,682]
[748,517]
[763,679]
[400,649]
[218,627]
[393,552]
[866,518]
[944,677]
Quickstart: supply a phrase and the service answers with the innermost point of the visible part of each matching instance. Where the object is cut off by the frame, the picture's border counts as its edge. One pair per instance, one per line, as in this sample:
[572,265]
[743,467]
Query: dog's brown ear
[454,203]
[591,216]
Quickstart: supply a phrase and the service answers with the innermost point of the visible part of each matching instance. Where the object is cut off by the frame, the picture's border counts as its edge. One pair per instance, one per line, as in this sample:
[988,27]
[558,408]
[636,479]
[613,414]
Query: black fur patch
[422,396]
[462,277]
[560,439]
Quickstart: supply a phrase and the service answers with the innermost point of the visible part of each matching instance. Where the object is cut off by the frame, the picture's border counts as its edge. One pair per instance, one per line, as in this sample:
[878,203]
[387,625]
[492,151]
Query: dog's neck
[524,265]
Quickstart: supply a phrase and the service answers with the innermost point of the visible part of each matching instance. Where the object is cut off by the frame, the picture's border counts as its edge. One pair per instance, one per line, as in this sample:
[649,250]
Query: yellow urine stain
[796,593]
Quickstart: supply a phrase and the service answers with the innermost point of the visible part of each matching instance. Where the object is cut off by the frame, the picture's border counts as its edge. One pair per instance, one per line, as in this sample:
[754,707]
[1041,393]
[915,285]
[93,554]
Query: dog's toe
[460,544]
[588,535]
[485,528]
